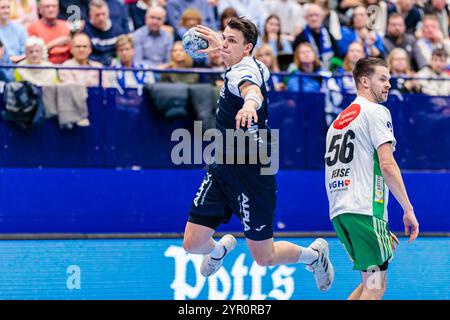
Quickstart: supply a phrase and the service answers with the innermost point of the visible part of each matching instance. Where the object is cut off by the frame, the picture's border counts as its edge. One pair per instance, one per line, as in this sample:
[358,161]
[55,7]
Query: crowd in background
[316,37]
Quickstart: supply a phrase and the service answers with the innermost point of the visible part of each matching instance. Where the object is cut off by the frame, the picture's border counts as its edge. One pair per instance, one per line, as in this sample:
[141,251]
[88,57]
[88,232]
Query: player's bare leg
[356,294]
[316,257]
[374,285]
[198,239]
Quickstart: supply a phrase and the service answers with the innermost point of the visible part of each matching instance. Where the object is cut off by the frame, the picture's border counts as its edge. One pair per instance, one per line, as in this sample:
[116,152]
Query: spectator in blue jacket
[373,42]
[305,61]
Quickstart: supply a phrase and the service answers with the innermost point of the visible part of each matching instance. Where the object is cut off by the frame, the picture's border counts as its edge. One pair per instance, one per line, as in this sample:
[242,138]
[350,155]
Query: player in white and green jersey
[360,170]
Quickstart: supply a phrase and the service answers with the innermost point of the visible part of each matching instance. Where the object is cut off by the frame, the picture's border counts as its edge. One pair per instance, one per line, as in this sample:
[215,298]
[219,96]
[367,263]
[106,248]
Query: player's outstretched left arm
[253,100]
[393,178]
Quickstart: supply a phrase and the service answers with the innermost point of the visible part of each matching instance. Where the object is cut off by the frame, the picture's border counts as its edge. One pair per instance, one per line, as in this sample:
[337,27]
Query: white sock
[218,251]
[307,255]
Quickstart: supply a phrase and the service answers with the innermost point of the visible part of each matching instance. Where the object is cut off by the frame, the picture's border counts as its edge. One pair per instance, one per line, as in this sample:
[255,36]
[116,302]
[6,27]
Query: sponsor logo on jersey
[379,189]
[347,116]
[339,185]
[389,125]
[340,173]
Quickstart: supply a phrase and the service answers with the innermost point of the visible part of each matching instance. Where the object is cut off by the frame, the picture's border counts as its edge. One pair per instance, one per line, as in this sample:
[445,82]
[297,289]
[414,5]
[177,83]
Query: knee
[264,261]
[372,294]
[189,244]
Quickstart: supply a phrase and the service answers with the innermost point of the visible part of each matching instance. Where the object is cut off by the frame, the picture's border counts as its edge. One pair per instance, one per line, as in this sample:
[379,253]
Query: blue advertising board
[160,269]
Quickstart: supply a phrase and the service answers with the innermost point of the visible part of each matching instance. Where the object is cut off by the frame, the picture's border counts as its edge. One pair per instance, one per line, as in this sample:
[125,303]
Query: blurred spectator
[226,16]
[153,44]
[24,11]
[290,13]
[35,54]
[346,83]
[272,36]
[378,15]
[190,18]
[215,62]
[118,15]
[6,74]
[175,9]
[399,67]
[358,31]
[179,59]
[317,35]
[265,54]
[81,49]
[354,53]
[345,10]
[396,37]
[102,32]
[54,31]
[331,21]
[440,9]
[305,61]
[126,59]
[409,11]
[436,70]
[251,9]
[12,34]
[432,39]
[138,9]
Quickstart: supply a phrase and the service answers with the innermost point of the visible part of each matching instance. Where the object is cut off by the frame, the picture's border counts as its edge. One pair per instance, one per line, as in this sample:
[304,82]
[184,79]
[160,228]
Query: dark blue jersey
[248,146]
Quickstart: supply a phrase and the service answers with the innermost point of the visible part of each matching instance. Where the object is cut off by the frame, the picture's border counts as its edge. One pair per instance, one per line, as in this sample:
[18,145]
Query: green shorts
[366,239]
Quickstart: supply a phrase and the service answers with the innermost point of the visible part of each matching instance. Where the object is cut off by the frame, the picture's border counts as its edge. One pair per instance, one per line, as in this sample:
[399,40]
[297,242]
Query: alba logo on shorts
[245,213]
[347,116]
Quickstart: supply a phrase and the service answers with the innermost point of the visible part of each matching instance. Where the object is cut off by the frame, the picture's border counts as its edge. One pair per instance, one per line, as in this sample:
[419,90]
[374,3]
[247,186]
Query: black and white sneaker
[209,264]
[322,267]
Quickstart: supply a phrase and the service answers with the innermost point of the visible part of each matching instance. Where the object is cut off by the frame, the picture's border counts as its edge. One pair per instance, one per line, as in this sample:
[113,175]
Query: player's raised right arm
[393,178]
[214,39]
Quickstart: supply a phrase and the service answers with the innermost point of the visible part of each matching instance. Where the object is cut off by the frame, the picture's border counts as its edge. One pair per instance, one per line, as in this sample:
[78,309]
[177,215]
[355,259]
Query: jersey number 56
[342,151]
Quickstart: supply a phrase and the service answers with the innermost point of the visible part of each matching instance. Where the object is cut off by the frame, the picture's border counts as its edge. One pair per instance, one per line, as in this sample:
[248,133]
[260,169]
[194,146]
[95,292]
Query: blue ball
[192,43]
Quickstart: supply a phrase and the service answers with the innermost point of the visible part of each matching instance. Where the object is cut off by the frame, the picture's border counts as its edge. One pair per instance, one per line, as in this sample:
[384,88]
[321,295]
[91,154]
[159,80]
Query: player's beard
[379,98]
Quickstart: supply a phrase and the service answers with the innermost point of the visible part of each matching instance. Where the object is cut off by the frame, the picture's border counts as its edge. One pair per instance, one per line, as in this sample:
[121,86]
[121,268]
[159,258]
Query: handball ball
[192,43]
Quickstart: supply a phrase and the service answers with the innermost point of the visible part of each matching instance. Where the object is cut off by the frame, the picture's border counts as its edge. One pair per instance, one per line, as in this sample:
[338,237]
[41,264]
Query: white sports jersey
[353,176]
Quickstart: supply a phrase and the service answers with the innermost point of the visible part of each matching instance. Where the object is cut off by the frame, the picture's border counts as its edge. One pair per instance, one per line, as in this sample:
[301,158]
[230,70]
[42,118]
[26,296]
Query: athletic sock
[218,251]
[307,255]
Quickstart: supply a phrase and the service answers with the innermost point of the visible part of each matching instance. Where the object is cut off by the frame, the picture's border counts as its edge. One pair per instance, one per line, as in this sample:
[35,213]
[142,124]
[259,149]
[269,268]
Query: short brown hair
[247,28]
[366,68]
[439,52]
[124,40]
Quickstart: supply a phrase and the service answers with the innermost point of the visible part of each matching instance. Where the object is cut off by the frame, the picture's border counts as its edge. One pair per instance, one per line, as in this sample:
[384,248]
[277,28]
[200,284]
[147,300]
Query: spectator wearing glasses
[81,49]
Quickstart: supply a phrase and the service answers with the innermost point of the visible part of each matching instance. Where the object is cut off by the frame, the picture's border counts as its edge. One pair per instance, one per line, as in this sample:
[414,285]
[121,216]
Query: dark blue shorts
[243,191]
